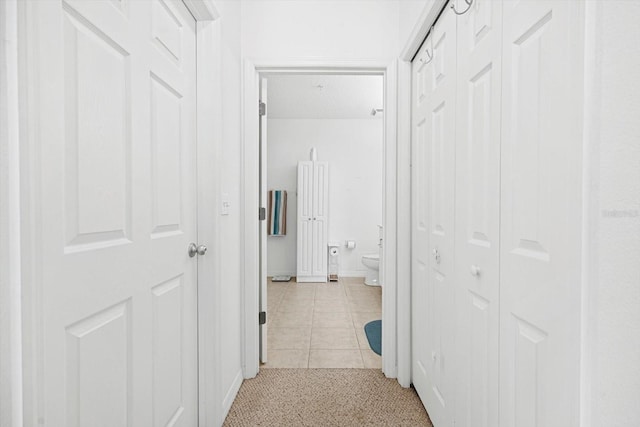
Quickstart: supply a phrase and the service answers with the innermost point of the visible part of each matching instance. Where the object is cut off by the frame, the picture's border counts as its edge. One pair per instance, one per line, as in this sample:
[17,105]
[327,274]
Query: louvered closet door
[434,144]
[541,214]
[478,213]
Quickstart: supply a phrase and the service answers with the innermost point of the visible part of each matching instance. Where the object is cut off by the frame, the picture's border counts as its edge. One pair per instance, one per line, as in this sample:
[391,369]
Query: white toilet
[372,262]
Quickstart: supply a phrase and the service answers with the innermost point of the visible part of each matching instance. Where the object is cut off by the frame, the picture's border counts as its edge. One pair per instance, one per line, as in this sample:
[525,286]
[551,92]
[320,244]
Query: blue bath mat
[373,330]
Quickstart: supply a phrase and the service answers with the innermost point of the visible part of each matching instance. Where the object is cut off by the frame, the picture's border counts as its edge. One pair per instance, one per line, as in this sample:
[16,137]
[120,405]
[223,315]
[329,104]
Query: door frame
[252,70]
[427,18]
[27,396]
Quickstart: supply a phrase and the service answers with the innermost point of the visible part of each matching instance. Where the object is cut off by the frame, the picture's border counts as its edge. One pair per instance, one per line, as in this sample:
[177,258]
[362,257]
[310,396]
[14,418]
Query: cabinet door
[305,208]
[478,214]
[541,214]
[320,216]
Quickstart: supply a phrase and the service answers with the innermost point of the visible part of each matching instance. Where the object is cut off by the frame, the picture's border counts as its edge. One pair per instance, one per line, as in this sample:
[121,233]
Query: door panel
[541,214]
[440,202]
[478,213]
[116,138]
[421,89]
[433,228]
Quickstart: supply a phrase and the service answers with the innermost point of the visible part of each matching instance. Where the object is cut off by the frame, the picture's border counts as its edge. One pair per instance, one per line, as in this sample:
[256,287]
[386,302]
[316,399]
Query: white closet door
[420,332]
[478,214]
[320,216]
[436,355]
[541,214]
[114,134]
[305,220]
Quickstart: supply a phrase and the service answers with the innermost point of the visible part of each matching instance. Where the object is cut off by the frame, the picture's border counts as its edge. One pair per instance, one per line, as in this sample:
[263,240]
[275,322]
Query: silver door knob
[475,270]
[194,250]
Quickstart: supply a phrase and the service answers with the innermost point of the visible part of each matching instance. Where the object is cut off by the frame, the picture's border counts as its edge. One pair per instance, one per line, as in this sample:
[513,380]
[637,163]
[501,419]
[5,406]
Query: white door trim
[10,307]
[205,12]
[250,181]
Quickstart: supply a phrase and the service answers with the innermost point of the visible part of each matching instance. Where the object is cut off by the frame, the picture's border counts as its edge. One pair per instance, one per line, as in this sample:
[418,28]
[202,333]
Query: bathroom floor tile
[333,338]
[335,359]
[295,304]
[291,319]
[365,292]
[365,306]
[337,292]
[363,342]
[371,360]
[331,305]
[322,324]
[287,359]
[332,320]
[289,338]
[362,318]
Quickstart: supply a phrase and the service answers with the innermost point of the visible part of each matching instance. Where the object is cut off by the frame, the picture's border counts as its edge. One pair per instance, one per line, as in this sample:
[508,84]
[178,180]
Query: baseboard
[231,394]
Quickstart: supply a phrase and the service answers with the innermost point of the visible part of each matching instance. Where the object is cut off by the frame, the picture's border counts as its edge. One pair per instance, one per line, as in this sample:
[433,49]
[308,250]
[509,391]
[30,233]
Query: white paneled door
[114,101]
[478,213]
[434,198]
[541,214]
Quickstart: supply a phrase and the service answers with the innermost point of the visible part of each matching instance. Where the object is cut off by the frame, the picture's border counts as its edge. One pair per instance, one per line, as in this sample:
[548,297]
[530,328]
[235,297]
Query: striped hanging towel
[277,213]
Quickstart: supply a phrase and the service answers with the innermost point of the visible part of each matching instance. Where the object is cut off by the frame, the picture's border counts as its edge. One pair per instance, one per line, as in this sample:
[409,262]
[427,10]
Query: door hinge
[262,108]
[262,214]
[262,317]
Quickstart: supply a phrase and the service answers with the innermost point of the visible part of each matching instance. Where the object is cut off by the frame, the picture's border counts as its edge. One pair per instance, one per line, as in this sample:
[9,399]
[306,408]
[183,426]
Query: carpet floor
[325,397]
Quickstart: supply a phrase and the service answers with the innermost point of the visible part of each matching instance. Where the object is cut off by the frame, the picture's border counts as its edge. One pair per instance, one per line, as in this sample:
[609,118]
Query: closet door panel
[541,214]
[421,93]
[478,214]
[440,163]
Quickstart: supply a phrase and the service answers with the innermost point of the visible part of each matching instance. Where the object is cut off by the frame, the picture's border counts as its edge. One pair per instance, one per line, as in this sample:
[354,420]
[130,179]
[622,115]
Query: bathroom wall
[353,148]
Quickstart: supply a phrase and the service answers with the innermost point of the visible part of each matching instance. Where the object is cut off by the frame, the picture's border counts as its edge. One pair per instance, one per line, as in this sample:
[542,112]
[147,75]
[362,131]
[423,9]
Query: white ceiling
[324,96]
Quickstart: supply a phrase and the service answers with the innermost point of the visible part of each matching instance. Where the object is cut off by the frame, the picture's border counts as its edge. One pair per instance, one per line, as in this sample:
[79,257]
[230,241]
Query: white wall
[320,29]
[353,148]
[612,131]
[408,16]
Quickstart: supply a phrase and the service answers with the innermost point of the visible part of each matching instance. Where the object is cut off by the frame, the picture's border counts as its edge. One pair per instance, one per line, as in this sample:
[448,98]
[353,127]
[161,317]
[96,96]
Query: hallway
[325,397]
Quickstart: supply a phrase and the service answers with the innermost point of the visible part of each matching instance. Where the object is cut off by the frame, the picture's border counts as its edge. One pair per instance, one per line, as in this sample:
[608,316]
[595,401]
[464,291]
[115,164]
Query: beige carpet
[325,397]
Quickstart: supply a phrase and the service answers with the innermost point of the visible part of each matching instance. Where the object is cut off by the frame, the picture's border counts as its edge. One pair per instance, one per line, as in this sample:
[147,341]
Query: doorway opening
[254,282]
[321,182]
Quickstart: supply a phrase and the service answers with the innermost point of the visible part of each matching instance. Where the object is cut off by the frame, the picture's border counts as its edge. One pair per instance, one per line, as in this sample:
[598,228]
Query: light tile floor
[321,325]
